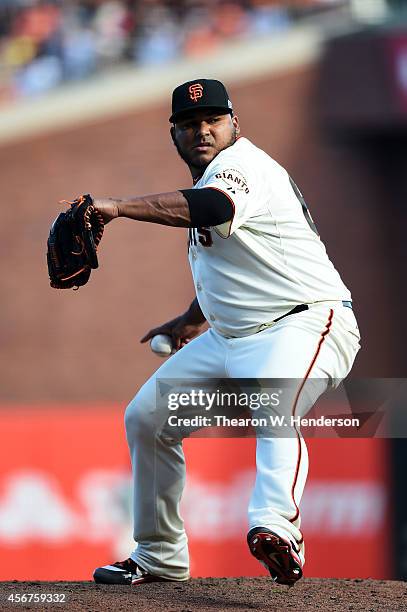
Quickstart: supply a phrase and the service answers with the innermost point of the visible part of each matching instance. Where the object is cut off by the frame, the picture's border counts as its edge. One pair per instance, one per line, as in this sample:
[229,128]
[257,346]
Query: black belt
[302,307]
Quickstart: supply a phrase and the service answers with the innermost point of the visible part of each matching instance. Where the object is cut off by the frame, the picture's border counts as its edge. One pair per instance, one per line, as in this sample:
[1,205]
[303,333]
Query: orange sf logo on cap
[195,92]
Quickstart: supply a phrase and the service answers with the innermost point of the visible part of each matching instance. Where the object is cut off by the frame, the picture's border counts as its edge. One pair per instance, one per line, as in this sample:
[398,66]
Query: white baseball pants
[319,343]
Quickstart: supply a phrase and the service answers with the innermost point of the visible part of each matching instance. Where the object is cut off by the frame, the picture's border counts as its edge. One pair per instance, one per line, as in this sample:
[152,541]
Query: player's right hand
[179,329]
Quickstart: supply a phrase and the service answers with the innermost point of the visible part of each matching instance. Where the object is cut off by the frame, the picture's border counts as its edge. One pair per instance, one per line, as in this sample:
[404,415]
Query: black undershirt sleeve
[208,207]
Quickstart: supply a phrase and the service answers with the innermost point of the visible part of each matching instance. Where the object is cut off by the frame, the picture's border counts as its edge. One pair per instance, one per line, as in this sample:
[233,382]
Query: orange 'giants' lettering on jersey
[195,92]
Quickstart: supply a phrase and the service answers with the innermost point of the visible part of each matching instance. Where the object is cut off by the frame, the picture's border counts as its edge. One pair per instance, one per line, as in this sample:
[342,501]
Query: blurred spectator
[79,52]
[38,22]
[160,36]
[267,19]
[40,75]
[231,19]
[45,42]
[200,33]
[110,32]
[78,42]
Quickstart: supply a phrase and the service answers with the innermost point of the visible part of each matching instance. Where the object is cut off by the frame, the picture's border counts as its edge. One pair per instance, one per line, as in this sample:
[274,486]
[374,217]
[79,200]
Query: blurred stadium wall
[64,488]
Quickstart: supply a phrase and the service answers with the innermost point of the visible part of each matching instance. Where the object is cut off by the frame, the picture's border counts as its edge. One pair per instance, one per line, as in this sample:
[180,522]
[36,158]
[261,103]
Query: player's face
[200,136]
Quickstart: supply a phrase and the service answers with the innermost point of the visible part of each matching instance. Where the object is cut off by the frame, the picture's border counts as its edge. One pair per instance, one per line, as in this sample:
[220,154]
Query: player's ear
[172,132]
[235,121]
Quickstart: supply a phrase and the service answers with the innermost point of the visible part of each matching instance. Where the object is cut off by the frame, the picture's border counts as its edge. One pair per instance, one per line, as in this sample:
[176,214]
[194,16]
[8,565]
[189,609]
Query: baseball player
[276,307]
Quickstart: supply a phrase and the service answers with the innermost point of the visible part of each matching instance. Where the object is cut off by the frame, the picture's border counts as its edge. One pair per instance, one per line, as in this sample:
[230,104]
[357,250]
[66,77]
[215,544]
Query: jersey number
[304,207]
[204,237]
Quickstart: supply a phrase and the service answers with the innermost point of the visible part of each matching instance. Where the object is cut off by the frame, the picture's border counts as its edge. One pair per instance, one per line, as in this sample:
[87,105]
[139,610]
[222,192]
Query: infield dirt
[220,594]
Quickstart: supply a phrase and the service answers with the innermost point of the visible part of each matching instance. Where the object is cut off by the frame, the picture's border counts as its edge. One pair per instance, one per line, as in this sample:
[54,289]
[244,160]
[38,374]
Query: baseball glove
[72,244]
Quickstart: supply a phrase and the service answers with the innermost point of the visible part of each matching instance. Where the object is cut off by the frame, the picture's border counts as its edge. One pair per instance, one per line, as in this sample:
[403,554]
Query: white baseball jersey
[269,257]
[247,272]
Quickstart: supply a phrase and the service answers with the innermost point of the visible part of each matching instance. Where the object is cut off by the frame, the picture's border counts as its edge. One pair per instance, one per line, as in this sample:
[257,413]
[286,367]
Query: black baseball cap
[200,93]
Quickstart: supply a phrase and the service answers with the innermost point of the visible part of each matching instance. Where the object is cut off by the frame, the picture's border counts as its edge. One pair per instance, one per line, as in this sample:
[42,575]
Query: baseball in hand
[161,345]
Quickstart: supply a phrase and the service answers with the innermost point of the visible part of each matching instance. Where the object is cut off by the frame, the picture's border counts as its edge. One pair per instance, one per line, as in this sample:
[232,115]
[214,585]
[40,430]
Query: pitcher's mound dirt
[209,594]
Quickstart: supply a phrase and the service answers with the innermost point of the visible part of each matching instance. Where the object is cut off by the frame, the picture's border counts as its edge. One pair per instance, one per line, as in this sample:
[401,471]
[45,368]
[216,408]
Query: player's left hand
[108,209]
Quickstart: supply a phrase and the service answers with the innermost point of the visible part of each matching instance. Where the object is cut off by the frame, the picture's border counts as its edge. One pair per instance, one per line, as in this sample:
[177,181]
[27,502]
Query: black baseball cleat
[124,572]
[276,554]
